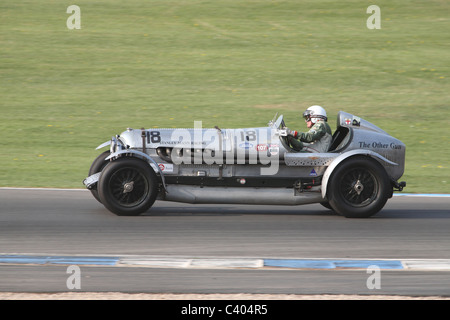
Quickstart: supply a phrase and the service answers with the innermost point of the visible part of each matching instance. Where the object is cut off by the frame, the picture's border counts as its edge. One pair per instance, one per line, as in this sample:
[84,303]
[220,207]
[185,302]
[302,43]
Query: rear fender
[347,155]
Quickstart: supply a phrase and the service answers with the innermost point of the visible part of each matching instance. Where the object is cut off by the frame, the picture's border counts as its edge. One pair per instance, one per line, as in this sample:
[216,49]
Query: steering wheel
[284,139]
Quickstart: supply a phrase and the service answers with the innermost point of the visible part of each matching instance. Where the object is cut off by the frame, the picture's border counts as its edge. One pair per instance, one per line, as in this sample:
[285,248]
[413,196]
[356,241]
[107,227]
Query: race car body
[355,177]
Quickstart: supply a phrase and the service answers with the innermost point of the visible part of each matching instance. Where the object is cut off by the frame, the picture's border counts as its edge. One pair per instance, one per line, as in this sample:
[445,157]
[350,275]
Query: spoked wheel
[359,188]
[128,186]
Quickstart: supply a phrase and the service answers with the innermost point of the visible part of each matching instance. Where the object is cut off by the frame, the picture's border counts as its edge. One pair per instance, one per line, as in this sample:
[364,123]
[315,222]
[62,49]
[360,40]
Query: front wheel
[359,188]
[128,186]
[97,166]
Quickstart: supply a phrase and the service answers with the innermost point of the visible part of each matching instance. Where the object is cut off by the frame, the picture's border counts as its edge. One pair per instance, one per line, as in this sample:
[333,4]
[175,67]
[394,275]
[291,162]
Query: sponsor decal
[274,149]
[313,173]
[166,167]
[379,145]
[262,147]
[245,145]
[354,122]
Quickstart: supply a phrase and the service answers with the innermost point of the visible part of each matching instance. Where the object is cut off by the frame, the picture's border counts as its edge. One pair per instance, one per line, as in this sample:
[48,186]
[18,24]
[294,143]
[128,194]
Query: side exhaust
[244,195]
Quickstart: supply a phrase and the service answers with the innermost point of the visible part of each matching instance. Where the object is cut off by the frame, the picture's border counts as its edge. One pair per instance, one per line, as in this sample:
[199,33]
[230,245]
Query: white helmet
[315,113]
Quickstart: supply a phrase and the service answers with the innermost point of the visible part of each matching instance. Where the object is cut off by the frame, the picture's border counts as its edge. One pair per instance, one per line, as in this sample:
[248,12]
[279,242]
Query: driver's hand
[291,133]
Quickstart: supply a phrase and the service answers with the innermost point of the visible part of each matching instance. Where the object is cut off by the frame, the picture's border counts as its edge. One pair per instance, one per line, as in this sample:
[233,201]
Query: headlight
[113,146]
[116,144]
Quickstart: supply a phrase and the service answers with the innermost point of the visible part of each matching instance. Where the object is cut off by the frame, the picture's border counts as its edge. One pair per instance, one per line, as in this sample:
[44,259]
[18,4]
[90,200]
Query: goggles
[307,115]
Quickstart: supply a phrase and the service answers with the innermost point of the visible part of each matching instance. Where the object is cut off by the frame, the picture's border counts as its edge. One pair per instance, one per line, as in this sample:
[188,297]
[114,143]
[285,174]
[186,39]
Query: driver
[318,138]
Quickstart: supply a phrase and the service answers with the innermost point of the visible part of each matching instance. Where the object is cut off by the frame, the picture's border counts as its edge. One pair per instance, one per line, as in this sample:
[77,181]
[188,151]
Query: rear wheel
[359,188]
[128,186]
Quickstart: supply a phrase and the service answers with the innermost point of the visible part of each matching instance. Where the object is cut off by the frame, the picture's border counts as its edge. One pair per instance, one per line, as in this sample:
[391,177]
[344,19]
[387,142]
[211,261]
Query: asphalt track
[73,223]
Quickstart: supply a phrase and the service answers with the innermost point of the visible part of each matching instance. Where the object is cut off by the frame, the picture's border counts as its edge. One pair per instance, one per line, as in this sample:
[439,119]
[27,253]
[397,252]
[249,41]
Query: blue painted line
[430,264]
[70,260]
[332,264]
[299,264]
[382,264]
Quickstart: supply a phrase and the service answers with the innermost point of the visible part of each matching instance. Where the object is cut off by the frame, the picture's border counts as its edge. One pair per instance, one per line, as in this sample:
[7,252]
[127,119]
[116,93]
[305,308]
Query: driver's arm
[316,132]
[295,144]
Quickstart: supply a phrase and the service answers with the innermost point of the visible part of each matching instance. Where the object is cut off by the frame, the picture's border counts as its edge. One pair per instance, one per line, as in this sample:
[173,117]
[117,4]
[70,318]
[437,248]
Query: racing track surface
[63,222]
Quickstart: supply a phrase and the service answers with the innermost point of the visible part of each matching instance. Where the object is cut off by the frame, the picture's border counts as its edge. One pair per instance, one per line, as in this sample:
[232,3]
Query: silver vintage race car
[354,178]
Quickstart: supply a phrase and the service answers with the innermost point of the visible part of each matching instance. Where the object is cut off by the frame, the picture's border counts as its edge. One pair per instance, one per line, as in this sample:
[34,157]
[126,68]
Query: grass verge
[229,63]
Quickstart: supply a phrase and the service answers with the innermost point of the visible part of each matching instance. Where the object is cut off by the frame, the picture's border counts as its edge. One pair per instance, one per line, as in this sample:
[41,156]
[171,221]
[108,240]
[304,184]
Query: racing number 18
[153,136]
[248,135]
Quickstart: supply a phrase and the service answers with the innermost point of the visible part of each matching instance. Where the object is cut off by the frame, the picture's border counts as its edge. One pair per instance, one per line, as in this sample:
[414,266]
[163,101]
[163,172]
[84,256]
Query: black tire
[359,187]
[326,205]
[128,186]
[97,166]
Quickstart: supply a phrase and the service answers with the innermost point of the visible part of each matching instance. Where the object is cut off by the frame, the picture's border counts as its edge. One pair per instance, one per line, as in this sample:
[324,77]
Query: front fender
[346,155]
[141,155]
[104,144]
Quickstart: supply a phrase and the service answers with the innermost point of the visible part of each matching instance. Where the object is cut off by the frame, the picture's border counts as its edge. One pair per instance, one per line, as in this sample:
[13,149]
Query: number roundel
[153,136]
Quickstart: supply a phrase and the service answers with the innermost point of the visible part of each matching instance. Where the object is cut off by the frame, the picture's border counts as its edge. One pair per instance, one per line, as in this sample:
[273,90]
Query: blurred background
[231,63]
